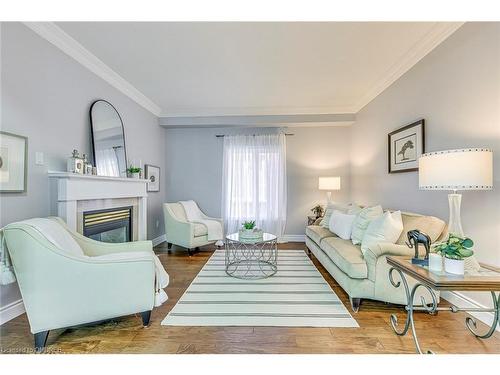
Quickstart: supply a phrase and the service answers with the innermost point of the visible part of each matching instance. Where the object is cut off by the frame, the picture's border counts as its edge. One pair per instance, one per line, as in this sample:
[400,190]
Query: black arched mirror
[108,140]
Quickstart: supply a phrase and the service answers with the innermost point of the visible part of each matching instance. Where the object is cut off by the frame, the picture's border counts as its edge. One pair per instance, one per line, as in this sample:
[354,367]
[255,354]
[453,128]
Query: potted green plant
[134,172]
[454,250]
[249,225]
[318,210]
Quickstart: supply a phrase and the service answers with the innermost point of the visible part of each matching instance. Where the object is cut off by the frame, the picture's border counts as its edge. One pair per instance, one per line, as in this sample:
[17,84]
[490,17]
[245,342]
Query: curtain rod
[253,135]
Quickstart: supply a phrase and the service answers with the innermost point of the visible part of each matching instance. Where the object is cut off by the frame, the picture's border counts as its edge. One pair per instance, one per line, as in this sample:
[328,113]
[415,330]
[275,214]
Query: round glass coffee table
[251,259]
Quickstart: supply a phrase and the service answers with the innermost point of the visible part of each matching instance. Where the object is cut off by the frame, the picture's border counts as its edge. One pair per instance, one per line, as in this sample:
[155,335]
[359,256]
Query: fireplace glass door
[110,225]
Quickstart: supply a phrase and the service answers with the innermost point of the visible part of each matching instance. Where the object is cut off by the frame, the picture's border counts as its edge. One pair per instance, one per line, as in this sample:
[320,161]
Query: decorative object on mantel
[463,169]
[415,238]
[454,251]
[152,173]
[405,145]
[108,140]
[318,210]
[13,163]
[329,183]
[75,163]
[134,172]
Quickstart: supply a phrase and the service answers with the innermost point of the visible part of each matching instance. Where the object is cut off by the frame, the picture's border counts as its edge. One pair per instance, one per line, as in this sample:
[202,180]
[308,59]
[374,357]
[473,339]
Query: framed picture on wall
[405,145]
[152,173]
[13,163]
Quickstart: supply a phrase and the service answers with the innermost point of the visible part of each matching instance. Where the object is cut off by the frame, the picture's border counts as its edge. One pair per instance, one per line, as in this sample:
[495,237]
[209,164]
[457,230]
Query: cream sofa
[67,279]
[181,232]
[367,277]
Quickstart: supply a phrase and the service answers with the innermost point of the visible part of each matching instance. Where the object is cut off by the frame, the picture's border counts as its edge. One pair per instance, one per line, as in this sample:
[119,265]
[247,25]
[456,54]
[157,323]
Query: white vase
[435,262]
[135,175]
[454,266]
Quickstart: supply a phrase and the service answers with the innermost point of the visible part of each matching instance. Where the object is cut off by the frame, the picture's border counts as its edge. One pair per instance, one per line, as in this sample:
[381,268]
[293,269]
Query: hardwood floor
[444,333]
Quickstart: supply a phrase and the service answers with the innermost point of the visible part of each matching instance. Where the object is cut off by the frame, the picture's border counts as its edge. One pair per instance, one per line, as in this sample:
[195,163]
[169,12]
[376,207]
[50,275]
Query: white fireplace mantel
[74,187]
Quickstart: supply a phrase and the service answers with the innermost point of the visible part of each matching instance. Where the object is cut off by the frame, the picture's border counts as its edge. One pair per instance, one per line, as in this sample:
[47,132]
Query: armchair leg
[146,317]
[169,247]
[355,303]
[41,340]
[190,252]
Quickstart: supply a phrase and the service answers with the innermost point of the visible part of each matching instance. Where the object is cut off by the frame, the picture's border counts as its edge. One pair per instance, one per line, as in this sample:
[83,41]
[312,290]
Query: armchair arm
[72,291]
[389,249]
[93,248]
[178,232]
[383,249]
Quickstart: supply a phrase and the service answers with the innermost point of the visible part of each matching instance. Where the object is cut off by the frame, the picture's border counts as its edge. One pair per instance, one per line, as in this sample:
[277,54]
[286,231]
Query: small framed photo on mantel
[405,145]
[152,173]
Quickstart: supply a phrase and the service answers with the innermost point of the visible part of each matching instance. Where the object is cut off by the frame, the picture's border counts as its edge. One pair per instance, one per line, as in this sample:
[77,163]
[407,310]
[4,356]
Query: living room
[250,187]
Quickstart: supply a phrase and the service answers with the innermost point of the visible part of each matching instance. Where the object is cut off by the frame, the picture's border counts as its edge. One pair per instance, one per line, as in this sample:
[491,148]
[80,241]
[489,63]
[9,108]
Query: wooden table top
[486,279]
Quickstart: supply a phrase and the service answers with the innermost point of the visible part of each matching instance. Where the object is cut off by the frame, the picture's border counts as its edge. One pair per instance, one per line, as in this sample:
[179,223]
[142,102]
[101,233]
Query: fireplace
[109,225]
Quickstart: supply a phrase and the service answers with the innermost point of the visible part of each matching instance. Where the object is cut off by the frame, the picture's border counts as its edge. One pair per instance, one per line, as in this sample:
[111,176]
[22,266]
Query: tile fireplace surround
[72,194]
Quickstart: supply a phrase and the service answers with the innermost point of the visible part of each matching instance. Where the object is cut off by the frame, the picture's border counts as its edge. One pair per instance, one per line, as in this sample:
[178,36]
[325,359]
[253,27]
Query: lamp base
[328,197]
[455,227]
[454,222]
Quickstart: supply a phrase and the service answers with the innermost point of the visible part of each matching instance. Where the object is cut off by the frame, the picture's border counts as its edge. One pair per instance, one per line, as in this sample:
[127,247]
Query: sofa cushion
[200,230]
[346,256]
[361,222]
[341,224]
[430,225]
[317,233]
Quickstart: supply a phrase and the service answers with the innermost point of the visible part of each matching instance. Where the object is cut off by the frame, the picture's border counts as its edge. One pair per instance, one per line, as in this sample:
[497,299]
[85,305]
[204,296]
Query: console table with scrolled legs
[487,279]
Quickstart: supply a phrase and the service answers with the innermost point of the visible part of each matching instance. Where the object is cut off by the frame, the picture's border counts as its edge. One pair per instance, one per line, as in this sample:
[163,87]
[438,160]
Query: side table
[486,279]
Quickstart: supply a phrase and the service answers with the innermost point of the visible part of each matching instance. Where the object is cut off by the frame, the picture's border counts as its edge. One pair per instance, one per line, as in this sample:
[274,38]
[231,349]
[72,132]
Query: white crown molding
[254,111]
[55,35]
[431,40]
[344,119]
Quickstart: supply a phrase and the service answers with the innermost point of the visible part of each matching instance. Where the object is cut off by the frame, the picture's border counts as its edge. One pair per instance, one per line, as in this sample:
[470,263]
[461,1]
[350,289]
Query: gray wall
[46,96]
[194,167]
[456,89]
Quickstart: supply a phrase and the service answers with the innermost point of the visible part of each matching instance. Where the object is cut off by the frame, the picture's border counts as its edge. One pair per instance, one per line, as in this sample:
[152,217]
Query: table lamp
[329,184]
[464,169]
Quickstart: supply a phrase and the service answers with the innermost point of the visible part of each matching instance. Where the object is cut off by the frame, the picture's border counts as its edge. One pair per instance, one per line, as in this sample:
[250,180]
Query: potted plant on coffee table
[454,251]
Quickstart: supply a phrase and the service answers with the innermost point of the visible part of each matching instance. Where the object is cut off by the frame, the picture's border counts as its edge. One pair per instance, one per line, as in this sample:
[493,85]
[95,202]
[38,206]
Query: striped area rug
[296,296]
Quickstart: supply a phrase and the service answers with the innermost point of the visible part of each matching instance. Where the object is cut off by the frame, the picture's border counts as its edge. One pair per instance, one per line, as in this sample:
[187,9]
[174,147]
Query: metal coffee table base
[251,261]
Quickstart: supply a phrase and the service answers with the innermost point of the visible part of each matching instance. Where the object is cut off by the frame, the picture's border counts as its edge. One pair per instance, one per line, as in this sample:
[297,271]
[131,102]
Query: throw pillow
[341,224]
[362,220]
[386,228]
[342,207]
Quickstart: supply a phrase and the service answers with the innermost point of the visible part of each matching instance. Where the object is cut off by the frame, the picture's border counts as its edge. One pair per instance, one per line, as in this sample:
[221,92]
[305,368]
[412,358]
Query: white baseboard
[158,240]
[460,300]
[11,311]
[293,238]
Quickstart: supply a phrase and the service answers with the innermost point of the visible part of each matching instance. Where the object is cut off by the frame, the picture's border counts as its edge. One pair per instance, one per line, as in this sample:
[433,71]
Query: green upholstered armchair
[67,279]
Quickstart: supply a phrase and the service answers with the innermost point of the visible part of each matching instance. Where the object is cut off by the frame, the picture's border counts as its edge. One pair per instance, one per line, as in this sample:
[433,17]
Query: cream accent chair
[86,281]
[183,233]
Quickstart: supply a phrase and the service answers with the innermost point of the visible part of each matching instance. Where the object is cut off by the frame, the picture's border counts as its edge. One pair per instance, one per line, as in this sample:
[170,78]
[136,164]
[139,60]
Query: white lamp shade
[329,183]
[465,169]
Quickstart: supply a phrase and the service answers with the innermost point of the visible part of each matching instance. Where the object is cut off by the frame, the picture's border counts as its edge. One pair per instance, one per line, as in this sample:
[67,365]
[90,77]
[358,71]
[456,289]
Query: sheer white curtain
[254,182]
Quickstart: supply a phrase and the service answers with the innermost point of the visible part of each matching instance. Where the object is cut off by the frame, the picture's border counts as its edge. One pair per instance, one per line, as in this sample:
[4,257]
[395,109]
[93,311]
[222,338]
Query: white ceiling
[220,69]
